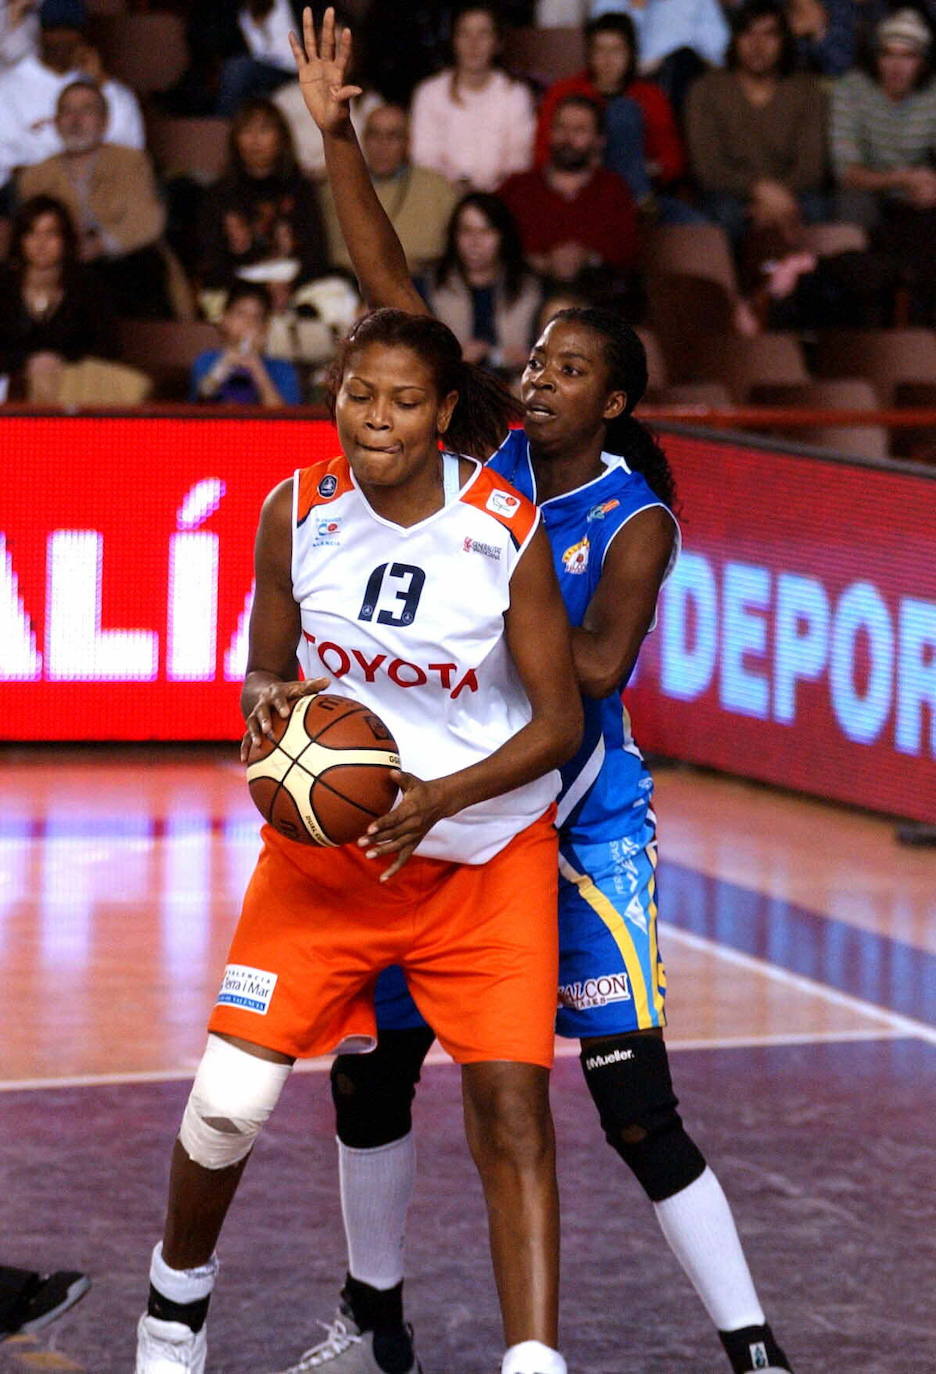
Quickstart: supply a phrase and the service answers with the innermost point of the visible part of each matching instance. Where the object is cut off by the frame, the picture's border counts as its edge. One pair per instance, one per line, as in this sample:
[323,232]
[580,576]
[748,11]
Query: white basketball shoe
[169,1347]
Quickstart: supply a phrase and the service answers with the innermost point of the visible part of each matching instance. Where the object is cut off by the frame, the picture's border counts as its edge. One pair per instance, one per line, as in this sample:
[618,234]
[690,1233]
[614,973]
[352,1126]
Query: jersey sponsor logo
[503,503]
[599,512]
[340,662]
[326,532]
[250,988]
[601,1061]
[328,485]
[476,546]
[575,558]
[595,992]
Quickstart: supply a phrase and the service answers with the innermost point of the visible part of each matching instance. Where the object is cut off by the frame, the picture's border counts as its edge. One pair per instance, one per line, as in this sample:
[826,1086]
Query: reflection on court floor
[801,950]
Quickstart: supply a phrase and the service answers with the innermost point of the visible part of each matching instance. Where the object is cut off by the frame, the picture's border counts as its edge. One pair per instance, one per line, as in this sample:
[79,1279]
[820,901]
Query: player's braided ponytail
[485,407]
[626,358]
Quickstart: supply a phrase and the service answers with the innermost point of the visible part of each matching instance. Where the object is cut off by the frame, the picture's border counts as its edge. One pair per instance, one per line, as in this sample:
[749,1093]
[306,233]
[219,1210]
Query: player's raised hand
[321,69]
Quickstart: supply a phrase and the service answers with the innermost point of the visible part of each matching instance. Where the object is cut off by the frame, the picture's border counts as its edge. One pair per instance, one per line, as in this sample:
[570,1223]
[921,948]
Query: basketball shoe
[169,1347]
[347,1349]
[40,1299]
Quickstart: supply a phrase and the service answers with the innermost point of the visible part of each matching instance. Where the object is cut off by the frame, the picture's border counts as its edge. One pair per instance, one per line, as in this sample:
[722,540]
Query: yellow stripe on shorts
[659,976]
[621,936]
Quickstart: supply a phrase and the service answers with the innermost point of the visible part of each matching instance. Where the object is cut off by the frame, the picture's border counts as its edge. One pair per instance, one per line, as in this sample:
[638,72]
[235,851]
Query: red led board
[126,567]
[796,640]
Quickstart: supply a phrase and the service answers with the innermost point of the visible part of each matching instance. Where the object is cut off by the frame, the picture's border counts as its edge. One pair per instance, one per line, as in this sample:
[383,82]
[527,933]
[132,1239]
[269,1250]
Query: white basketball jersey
[411,622]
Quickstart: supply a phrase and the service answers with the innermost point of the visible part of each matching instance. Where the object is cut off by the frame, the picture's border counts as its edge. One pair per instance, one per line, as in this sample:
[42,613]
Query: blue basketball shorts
[611,976]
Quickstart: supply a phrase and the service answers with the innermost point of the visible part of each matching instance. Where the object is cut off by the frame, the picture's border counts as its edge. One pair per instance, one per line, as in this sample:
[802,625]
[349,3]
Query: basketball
[325,775]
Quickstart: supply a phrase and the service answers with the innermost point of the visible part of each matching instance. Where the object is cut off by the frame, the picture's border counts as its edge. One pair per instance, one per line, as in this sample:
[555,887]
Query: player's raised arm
[373,246]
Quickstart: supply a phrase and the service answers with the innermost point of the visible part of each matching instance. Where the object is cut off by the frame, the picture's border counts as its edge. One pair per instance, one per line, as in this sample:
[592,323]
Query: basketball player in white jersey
[423,584]
[607,501]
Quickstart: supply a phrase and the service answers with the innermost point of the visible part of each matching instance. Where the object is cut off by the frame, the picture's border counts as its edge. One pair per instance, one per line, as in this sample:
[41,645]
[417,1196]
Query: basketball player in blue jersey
[607,498]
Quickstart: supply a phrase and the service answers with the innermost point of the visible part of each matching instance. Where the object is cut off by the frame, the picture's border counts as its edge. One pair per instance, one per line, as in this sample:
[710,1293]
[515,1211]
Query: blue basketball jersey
[606,788]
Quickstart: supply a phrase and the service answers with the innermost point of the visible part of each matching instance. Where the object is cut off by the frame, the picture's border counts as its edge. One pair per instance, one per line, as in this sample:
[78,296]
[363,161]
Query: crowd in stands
[765,120]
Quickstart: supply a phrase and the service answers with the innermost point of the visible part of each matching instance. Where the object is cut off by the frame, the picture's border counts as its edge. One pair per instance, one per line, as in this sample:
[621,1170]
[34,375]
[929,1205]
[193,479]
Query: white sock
[701,1233]
[376,1187]
[532,1357]
[182,1285]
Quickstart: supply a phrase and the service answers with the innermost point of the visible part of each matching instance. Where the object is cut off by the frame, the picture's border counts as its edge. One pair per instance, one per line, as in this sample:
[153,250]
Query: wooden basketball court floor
[800,942]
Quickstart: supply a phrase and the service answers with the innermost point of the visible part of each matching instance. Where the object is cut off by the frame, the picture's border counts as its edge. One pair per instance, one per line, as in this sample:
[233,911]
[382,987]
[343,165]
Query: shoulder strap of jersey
[319,484]
[489,492]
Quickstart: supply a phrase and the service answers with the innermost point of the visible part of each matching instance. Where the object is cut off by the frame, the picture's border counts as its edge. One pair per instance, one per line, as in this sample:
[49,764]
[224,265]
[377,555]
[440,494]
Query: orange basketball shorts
[477,943]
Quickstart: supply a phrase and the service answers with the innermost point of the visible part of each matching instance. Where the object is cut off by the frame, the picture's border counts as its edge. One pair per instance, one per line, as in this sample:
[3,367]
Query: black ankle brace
[374,1309]
[191,1314]
[752,1348]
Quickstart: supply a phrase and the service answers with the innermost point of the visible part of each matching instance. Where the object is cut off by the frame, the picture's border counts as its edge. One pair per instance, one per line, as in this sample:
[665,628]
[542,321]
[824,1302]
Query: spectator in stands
[111,195]
[418,201]
[52,312]
[263,215]
[238,372]
[574,215]
[472,122]
[830,34]
[883,138]
[756,131]
[395,67]
[677,39]
[642,142]
[19,31]
[29,91]
[266,61]
[482,289]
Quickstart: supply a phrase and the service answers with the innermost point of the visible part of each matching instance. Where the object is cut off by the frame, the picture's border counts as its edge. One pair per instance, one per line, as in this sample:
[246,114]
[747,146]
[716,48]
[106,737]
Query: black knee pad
[373,1093]
[629,1080]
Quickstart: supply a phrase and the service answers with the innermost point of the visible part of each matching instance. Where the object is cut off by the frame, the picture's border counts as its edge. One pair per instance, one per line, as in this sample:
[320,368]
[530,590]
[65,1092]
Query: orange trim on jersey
[312,479]
[490,493]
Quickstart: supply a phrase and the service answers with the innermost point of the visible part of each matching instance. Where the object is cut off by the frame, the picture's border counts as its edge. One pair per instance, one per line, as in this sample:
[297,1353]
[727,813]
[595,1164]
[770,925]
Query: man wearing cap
[29,91]
[883,143]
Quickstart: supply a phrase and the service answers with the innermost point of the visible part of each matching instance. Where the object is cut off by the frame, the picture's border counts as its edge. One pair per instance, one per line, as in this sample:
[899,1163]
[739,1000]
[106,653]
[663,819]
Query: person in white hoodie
[29,92]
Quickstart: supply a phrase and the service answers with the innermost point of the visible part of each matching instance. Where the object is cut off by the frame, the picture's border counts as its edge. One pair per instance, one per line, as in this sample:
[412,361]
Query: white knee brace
[233,1094]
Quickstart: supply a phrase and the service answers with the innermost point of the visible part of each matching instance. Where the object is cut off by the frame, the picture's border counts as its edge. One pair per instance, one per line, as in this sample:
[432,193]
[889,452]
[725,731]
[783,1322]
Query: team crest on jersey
[328,485]
[575,558]
[503,503]
[599,512]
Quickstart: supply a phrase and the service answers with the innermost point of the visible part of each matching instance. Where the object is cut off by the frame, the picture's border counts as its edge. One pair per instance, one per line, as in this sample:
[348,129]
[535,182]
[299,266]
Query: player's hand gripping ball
[325,774]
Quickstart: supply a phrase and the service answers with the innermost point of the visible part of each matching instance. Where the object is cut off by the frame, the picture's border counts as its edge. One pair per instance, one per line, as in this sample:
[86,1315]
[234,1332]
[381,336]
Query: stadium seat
[188,147]
[544,55]
[683,310]
[692,250]
[886,357]
[912,442]
[840,393]
[834,393]
[825,240]
[148,51]
[712,394]
[165,350]
[744,363]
